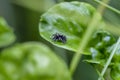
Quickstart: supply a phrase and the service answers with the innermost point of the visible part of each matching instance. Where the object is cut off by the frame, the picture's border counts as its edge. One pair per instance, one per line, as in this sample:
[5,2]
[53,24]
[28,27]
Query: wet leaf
[6,33]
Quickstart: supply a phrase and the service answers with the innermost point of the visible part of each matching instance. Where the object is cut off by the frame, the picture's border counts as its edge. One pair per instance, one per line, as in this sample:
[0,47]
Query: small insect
[59,38]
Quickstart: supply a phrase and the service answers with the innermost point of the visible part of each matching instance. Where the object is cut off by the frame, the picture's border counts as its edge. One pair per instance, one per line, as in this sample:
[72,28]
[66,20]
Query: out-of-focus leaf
[32,61]
[6,33]
[115,72]
[69,19]
[36,5]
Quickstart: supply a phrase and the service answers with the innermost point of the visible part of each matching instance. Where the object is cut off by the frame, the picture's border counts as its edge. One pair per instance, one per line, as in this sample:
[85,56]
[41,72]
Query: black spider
[59,38]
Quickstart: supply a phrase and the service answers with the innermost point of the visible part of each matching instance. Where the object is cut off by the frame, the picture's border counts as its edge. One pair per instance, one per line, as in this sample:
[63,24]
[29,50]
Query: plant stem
[109,7]
[90,29]
[84,42]
[109,59]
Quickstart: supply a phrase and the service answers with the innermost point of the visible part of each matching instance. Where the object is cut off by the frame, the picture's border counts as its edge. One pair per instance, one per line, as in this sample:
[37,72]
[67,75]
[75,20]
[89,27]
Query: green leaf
[32,61]
[116,57]
[115,71]
[6,33]
[100,47]
[69,19]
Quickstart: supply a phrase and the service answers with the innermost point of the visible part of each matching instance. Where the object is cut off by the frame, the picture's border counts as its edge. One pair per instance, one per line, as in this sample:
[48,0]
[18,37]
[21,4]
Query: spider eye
[59,38]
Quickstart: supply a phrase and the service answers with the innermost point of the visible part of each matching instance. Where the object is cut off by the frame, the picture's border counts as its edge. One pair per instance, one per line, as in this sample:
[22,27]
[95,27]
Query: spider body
[59,38]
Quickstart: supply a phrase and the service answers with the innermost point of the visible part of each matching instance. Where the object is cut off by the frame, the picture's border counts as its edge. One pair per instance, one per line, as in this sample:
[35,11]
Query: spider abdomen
[59,38]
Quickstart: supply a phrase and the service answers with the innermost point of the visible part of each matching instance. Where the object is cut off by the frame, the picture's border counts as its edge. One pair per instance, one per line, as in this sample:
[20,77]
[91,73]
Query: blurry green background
[24,17]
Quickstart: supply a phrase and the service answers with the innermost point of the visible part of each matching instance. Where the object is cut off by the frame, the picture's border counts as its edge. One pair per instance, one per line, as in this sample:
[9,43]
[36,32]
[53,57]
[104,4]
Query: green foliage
[100,52]
[60,19]
[71,19]
[116,57]
[6,33]
[115,64]
[115,71]
[32,61]
[35,61]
